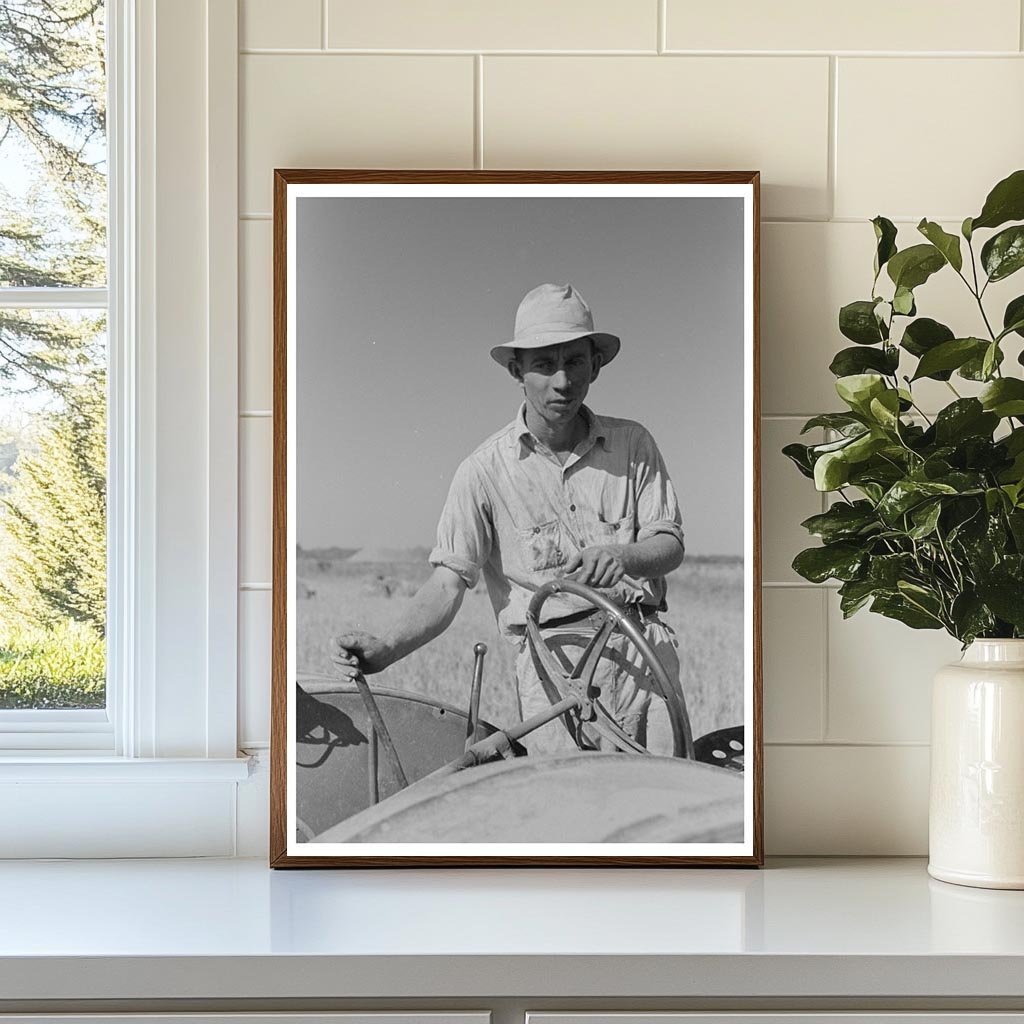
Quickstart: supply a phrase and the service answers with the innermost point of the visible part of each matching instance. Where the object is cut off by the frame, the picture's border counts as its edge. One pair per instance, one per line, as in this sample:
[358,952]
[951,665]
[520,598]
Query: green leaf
[857,321]
[947,244]
[1003,254]
[1005,596]
[912,267]
[990,361]
[842,421]
[885,409]
[974,368]
[965,229]
[799,455]
[966,417]
[925,518]
[849,361]
[899,608]
[831,471]
[854,595]
[887,570]
[843,521]
[950,355]
[925,334]
[840,561]
[858,389]
[903,302]
[1005,202]
[906,494]
[1013,317]
[1004,397]
[970,617]
[885,237]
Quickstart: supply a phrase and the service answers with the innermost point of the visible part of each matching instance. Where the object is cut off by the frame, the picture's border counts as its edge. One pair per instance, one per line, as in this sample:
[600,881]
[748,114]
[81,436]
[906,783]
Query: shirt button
[572,508]
[536,529]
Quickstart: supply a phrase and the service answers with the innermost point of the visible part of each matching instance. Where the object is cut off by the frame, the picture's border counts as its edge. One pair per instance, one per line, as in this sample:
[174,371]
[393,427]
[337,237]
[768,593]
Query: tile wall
[909,109]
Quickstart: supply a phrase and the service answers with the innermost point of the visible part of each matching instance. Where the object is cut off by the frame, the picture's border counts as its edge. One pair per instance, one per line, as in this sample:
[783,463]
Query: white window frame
[173,468]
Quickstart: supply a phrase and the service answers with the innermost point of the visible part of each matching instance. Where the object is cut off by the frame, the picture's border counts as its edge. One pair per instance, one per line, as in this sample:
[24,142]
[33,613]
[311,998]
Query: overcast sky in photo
[399,301]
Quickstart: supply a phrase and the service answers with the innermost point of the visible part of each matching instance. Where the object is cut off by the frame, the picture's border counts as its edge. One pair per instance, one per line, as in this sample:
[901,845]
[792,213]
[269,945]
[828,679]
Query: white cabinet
[788,1017]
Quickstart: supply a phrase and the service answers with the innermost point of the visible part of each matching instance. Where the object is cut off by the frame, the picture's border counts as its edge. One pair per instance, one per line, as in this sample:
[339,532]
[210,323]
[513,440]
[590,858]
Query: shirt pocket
[597,530]
[540,546]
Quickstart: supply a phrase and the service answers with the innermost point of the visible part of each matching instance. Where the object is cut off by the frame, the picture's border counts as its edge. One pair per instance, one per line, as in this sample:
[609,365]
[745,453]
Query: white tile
[880,677]
[255,508]
[255,320]
[254,630]
[269,24]
[471,25]
[808,272]
[787,499]
[868,25]
[961,131]
[351,111]
[793,631]
[846,801]
[694,113]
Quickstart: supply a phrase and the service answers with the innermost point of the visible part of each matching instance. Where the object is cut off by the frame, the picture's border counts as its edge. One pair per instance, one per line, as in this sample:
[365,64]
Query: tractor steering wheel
[589,715]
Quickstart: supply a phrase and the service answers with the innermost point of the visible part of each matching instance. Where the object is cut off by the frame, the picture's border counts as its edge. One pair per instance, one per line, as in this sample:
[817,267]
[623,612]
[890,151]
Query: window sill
[78,767]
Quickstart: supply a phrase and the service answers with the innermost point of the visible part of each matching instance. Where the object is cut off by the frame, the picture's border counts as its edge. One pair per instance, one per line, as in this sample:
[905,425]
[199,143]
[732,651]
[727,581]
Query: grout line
[340,51]
[478,111]
[847,744]
[259,51]
[833,134]
[800,585]
[255,216]
[254,586]
[663,27]
[255,414]
[323,24]
[823,716]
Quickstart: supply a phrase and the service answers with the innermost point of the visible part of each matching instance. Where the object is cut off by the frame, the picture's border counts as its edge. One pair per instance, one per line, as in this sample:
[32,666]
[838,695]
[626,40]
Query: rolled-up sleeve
[657,508]
[465,531]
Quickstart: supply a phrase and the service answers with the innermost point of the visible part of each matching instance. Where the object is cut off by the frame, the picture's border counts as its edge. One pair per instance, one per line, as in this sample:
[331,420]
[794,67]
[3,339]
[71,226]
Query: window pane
[53,150]
[52,509]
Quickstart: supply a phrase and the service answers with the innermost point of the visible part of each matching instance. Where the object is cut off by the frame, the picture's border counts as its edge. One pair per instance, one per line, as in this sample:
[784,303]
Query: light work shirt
[515,514]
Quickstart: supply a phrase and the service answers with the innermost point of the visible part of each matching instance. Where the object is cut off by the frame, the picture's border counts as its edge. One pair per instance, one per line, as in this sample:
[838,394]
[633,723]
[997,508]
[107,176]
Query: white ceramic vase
[976,815]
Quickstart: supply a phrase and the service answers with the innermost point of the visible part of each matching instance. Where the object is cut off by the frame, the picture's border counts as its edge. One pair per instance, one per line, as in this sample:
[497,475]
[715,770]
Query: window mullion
[53,298]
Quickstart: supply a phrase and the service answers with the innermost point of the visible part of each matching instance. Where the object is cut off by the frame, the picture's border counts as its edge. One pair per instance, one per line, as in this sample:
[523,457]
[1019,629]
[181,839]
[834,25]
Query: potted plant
[926,524]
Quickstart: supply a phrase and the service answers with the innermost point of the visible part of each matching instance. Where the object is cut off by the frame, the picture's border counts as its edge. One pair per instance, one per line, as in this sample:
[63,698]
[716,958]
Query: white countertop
[234,929]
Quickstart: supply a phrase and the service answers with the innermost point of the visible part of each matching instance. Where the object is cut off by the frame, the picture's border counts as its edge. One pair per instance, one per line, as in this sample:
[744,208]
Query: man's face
[556,379]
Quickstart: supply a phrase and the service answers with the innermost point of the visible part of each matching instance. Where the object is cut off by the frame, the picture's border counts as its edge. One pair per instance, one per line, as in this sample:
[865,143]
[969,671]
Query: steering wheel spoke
[587,665]
[590,716]
[604,724]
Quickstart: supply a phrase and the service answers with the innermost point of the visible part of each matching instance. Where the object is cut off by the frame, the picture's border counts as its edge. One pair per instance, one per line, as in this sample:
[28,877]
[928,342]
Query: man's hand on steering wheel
[357,651]
[598,566]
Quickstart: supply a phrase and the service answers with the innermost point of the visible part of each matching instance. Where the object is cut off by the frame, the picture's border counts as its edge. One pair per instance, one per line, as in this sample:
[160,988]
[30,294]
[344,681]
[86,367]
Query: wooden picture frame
[350,249]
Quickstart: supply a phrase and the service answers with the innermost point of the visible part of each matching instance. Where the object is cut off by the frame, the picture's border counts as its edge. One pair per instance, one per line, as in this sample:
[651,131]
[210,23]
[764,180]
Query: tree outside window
[53,216]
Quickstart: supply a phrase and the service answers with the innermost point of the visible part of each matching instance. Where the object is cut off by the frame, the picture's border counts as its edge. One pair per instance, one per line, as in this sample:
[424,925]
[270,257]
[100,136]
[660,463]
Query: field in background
[336,594]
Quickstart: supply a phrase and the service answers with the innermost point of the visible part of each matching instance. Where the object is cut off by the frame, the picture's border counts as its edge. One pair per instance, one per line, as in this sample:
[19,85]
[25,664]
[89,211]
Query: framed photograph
[516,586]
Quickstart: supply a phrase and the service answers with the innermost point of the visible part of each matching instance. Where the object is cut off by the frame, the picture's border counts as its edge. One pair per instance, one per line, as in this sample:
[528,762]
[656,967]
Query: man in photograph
[558,492]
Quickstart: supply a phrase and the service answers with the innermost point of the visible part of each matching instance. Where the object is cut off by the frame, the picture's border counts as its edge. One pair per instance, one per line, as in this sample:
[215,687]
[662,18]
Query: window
[168,290]
[53,368]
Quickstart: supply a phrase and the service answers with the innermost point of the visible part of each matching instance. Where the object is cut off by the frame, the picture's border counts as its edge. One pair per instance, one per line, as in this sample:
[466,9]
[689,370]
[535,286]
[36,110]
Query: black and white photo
[516,566]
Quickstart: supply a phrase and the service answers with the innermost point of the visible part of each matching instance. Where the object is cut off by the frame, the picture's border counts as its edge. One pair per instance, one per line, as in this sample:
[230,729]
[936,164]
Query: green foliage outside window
[927,521]
[52,365]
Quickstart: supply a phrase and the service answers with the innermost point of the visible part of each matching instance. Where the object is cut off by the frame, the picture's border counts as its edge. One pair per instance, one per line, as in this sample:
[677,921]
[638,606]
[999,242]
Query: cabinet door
[360,1017]
[789,1017]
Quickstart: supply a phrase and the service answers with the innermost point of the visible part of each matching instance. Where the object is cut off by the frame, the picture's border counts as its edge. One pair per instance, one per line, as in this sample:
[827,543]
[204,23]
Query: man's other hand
[357,651]
[599,566]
